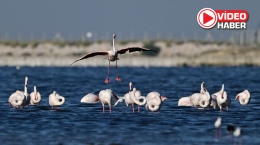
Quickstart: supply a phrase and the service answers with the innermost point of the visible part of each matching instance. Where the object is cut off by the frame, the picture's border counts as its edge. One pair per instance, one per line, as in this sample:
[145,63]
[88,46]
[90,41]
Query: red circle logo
[207,18]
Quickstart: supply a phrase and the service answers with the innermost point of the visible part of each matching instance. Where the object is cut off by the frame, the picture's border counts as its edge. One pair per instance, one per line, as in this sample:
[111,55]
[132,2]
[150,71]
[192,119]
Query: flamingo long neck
[35,90]
[114,48]
[223,97]
[222,89]
[25,87]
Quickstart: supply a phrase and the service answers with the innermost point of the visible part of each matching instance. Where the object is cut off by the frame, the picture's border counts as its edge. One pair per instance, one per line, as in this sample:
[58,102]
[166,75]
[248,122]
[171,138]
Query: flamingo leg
[138,108]
[133,107]
[110,109]
[108,68]
[103,108]
[117,77]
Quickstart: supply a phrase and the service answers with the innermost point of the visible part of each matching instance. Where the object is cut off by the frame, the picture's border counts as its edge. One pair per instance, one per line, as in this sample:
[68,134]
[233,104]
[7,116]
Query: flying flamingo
[113,56]
[154,101]
[90,98]
[107,97]
[56,100]
[243,97]
[35,97]
[20,99]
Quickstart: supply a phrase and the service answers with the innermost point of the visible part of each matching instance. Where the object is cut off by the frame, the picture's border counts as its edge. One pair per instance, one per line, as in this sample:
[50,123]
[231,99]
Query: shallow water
[77,123]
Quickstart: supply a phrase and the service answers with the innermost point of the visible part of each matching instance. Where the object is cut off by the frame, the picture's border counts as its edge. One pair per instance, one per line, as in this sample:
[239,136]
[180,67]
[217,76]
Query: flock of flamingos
[152,101]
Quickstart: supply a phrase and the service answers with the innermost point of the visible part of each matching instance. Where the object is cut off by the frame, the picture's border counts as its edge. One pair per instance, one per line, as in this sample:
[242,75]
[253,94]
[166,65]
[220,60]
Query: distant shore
[170,54]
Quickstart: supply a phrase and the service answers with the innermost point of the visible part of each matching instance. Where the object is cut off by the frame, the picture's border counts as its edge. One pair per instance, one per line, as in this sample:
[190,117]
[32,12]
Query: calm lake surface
[77,123]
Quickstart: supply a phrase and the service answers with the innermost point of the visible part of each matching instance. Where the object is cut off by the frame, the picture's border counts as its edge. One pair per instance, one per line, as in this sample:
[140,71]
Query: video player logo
[207,18]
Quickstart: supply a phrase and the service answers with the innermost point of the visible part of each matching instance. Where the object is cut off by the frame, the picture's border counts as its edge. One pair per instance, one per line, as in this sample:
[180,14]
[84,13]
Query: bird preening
[112,55]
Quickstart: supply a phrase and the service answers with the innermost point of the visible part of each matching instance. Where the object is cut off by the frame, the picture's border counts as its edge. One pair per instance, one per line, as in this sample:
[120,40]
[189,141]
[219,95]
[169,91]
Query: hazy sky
[73,18]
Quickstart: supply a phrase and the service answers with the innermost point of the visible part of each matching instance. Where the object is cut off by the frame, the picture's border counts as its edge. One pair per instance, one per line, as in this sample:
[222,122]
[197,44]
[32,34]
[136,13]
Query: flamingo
[107,97]
[20,99]
[35,97]
[56,100]
[154,101]
[184,101]
[133,97]
[90,98]
[201,99]
[223,100]
[112,56]
[195,97]
[204,99]
[243,97]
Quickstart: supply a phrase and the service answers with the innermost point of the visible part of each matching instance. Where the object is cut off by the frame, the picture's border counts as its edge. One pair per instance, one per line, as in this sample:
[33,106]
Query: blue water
[77,123]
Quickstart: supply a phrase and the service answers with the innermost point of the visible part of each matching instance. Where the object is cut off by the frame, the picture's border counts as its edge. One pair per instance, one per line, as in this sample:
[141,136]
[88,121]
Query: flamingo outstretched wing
[133,49]
[91,55]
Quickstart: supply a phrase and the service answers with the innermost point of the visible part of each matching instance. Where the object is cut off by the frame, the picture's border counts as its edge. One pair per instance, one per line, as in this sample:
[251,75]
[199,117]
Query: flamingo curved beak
[163,98]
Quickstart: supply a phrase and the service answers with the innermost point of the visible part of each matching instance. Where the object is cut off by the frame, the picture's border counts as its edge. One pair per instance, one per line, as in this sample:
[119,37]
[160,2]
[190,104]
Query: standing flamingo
[223,100]
[195,97]
[107,97]
[90,98]
[113,56]
[134,97]
[193,100]
[154,101]
[56,100]
[204,99]
[35,97]
[20,99]
[243,97]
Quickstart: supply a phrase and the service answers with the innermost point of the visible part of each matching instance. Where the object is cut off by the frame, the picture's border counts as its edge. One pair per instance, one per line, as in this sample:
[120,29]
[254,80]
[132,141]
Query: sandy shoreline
[187,54]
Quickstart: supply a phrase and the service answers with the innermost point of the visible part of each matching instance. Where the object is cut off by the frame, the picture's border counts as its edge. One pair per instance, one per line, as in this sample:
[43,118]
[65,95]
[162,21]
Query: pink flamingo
[113,56]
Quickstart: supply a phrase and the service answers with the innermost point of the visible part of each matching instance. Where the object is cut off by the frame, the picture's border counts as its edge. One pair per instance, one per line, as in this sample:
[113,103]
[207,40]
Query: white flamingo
[90,98]
[195,97]
[184,101]
[107,98]
[223,100]
[56,100]
[35,97]
[134,97]
[20,99]
[243,97]
[204,99]
[112,56]
[154,101]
